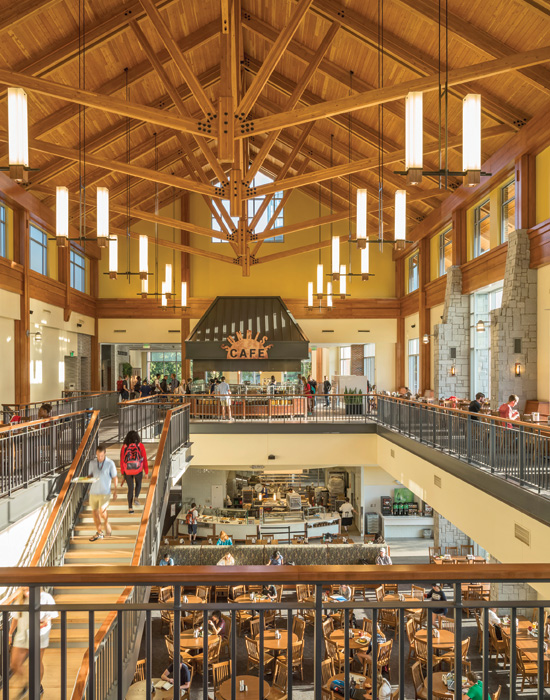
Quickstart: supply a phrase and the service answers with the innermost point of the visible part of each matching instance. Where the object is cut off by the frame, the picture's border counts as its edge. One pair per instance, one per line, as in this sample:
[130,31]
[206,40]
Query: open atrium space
[275,349]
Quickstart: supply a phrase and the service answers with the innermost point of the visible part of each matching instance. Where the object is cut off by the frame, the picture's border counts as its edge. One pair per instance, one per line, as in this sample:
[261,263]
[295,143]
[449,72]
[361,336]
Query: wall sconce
[517,369]
[480,327]
[426,338]
[37,336]
[453,371]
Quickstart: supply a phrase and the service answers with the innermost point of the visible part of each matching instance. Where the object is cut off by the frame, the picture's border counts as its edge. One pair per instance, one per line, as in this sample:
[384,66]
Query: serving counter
[279,526]
[396,527]
[209,406]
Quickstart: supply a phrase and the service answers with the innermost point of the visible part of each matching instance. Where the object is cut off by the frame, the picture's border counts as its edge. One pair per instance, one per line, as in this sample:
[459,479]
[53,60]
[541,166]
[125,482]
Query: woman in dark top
[437,594]
[217,624]
[133,462]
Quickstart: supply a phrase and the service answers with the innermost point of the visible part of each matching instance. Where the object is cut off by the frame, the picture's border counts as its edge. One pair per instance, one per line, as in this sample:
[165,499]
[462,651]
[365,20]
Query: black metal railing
[525,658]
[144,415]
[70,402]
[34,450]
[515,450]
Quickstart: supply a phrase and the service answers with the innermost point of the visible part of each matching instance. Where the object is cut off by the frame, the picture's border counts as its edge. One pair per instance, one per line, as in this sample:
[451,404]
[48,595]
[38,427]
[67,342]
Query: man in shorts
[192,516]
[224,392]
[103,469]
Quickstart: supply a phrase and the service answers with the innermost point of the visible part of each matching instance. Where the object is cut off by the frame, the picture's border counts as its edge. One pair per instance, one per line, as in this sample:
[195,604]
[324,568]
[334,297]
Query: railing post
[34,642]
[458,638]
[469,440]
[521,455]
[318,652]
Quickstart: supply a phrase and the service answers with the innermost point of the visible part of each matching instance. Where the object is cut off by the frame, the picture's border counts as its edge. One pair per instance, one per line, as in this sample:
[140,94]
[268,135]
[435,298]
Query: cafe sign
[246,347]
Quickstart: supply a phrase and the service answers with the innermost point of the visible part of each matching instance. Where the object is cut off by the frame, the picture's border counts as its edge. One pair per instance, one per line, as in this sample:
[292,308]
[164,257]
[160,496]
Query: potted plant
[353,401]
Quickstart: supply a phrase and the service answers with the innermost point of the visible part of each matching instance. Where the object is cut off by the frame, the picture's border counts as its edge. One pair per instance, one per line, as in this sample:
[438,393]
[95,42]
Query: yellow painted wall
[486,520]
[287,277]
[435,317]
[124,287]
[495,220]
[543,185]
[543,333]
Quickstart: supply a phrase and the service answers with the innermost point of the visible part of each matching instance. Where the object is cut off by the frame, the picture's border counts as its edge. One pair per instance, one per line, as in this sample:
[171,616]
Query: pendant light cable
[82,120]
[380,124]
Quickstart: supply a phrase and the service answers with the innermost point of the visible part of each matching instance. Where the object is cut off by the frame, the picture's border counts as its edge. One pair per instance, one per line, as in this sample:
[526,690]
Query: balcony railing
[71,401]
[39,448]
[526,657]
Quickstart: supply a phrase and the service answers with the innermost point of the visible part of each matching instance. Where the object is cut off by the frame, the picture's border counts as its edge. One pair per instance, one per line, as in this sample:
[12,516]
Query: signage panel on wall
[246,347]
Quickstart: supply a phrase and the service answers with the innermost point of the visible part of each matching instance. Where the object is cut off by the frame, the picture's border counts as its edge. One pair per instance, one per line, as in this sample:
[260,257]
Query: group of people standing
[134,387]
[310,389]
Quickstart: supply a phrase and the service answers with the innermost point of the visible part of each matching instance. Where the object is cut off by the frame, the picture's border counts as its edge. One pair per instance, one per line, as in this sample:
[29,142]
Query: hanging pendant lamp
[400,218]
[61,216]
[143,257]
[18,134]
[413,138]
[471,139]
[102,212]
[113,257]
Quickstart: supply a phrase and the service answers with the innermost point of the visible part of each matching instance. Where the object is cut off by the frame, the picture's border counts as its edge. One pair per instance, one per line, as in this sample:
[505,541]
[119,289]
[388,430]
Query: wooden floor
[116,549]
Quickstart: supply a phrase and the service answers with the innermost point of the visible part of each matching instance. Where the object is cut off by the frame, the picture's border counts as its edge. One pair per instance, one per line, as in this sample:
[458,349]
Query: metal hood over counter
[247,334]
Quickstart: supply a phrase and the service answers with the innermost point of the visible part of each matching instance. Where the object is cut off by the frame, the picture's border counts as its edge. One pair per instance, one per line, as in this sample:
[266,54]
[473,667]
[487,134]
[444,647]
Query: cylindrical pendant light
[184,294]
[144,287]
[164,296]
[168,279]
[61,215]
[329,295]
[320,280]
[336,257]
[361,218]
[310,295]
[113,257]
[414,132]
[18,134]
[471,139]
[143,257]
[102,214]
[365,263]
[400,218]
[343,281]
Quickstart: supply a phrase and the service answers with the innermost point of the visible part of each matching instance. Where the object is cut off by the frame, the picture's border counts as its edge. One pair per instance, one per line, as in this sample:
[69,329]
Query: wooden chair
[213,656]
[389,619]
[221,591]
[497,646]
[390,588]
[237,591]
[379,592]
[327,671]
[297,658]
[220,673]
[434,552]
[466,549]
[251,539]
[418,682]
[255,627]
[421,650]
[447,623]
[448,561]
[226,641]
[165,593]
[496,694]
[453,551]
[139,675]
[243,617]
[410,629]
[253,655]
[298,627]
[479,633]
[338,657]
[328,626]
[367,627]
[417,592]
[528,670]
[473,592]
[280,681]
[449,657]
[383,659]
[203,592]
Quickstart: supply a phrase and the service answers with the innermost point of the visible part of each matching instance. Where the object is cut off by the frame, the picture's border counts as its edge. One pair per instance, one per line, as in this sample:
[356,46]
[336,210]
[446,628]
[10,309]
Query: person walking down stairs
[103,470]
[133,462]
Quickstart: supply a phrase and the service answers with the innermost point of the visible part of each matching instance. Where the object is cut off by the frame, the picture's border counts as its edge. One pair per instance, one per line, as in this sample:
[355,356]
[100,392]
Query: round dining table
[439,688]
[189,641]
[359,679]
[138,690]
[338,637]
[191,600]
[406,598]
[271,643]
[257,599]
[446,639]
[252,693]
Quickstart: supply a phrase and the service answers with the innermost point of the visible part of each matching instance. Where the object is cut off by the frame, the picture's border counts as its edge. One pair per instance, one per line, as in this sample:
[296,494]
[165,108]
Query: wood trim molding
[486,269]
[539,237]
[435,291]
[409,303]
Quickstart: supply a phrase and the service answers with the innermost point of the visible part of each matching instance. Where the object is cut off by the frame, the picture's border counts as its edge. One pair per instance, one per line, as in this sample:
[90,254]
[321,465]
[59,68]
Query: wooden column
[525,191]
[460,250]
[424,315]
[22,346]
[185,277]
[400,344]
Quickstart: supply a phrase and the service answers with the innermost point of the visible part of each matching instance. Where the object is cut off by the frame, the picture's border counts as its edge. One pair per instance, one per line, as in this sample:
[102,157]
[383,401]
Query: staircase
[113,550]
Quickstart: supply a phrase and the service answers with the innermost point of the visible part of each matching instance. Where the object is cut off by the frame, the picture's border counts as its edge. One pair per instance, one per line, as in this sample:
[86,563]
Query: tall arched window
[253,206]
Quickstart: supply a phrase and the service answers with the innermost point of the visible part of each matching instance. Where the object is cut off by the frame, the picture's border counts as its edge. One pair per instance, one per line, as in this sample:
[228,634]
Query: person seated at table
[494,620]
[185,675]
[270,591]
[227,560]
[217,625]
[383,685]
[508,409]
[476,405]
[379,539]
[224,539]
[476,690]
[383,559]
[436,593]
[167,560]
[345,591]
[276,559]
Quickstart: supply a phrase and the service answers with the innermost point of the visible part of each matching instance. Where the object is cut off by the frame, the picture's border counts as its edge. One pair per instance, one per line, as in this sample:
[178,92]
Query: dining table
[439,687]
[405,597]
[445,641]
[138,690]
[189,641]
[245,598]
[339,637]
[460,559]
[271,643]
[359,679]
[191,600]
[253,689]
[527,643]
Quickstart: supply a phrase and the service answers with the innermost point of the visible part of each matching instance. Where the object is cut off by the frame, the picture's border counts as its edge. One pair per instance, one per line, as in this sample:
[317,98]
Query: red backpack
[190,519]
[133,460]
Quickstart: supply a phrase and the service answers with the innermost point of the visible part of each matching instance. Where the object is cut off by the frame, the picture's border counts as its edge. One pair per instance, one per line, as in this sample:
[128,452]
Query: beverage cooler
[385,505]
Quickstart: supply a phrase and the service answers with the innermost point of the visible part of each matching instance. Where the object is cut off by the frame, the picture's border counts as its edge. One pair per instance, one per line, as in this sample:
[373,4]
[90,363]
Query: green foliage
[353,397]
[126,369]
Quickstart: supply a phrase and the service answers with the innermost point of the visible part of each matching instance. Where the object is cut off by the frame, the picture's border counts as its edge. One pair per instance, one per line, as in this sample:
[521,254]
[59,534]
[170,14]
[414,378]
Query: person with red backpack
[133,462]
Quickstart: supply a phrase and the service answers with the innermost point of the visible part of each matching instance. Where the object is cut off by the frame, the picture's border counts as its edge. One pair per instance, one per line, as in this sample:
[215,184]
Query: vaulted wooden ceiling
[210,91]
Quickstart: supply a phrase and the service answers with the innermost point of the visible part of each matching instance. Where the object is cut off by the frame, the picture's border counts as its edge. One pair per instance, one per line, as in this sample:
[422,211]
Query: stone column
[514,327]
[452,340]
[447,535]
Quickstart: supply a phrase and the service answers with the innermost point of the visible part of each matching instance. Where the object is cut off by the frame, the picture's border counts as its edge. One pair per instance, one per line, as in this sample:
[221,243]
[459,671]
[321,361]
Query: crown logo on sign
[246,347]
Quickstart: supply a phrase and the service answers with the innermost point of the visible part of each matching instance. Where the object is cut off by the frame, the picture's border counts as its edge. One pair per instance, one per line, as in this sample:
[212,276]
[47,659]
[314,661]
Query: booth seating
[258,555]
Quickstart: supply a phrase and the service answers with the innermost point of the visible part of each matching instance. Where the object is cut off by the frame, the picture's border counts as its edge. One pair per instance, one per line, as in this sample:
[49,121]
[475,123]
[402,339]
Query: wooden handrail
[66,485]
[83,673]
[41,421]
[461,412]
[215,575]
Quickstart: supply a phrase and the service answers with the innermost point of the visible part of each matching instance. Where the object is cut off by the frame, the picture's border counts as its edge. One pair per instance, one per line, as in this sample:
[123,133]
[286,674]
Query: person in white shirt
[226,560]
[494,620]
[383,559]
[224,392]
[347,511]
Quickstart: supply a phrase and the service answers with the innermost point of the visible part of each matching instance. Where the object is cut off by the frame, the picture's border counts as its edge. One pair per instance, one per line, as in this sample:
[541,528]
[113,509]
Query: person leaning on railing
[508,409]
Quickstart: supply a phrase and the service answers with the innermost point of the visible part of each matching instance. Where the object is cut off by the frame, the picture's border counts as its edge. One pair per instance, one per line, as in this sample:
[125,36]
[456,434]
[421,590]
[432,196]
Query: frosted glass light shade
[400,218]
[414,156]
[61,215]
[18,129]
[361,218]
[143,256]
[310,294]
[343,281]
[320,281]
[102,213]
[113,257]
[335,257]
[471,138]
